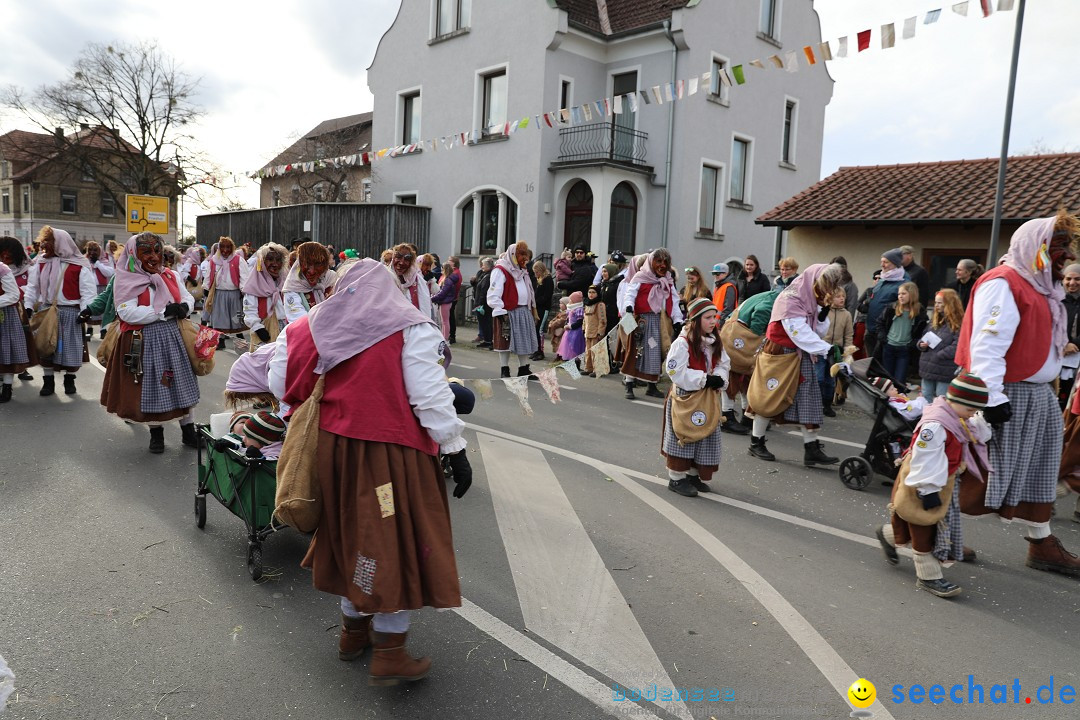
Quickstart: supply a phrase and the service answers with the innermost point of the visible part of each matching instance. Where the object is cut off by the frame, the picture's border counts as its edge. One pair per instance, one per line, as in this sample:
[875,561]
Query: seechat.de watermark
[654,693]
[973,693]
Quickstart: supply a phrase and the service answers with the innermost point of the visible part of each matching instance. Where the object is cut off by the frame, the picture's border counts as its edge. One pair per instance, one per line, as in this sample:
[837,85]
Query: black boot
[758,449]
[48,385]
[524,371]
[629,389]
[221,342]
[826,408]
[505,371]
[733,426]
[69,384]
[700,485]
[538,355]
[683,487]
[653,391]
[813,455]
[157,439]
[189,436]
[5,393]
[747,421]
[25,376]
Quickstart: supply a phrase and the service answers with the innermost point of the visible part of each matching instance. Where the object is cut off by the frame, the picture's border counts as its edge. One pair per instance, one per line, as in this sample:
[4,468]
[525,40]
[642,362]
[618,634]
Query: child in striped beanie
[909,409]
[263,434]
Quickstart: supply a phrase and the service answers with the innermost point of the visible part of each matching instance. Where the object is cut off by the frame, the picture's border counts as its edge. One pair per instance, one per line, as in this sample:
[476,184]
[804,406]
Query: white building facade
[690,175]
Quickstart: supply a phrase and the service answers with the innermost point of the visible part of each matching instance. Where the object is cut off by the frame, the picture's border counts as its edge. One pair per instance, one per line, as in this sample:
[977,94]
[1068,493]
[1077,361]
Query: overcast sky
[272,70]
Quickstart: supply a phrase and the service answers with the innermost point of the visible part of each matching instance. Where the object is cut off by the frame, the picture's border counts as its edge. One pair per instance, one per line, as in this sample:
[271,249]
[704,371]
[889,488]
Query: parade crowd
[981,371]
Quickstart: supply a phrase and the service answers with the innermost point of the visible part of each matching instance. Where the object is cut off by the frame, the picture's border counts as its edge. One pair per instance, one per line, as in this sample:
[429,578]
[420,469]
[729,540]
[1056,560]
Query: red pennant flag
[547,119]
[986,8]
[864,40]
[809,52]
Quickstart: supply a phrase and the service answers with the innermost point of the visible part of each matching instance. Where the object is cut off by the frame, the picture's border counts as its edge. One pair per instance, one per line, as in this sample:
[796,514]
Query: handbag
[741,345]
[298,502]
[200,343]
[694,416]
[774,383]
[906,503]
[108,343]
[46,326]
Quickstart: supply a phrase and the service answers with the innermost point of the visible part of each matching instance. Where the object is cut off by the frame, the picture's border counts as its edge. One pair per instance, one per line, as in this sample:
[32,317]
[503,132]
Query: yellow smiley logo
[862,693]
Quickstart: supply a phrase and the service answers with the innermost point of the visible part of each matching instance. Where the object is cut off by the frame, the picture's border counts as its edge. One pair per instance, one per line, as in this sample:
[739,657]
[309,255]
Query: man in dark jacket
[481,282]
[583,271]
[917,273]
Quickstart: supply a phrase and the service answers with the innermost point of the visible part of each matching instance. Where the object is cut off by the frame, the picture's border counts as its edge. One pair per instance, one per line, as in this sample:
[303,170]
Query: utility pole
[999,199]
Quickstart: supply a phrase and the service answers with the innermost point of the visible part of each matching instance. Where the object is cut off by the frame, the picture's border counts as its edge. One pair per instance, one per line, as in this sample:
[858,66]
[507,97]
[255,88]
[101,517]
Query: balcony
[603,143]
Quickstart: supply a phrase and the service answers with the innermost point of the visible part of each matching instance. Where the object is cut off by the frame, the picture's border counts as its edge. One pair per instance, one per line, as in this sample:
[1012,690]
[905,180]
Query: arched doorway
[622,230]
[577,229]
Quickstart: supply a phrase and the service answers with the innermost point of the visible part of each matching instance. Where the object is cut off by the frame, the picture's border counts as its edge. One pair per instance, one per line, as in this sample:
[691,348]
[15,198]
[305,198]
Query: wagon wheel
[855,472]
[200,511]
[254,561]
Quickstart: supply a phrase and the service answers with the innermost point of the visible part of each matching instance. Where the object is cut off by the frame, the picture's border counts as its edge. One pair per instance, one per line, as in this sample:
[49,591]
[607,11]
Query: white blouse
[133,313]
[87,289]
[687,378]
[10,290]
[251,311]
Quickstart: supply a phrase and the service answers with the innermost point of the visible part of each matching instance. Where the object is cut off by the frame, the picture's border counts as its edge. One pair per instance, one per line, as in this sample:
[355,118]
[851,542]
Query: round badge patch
[995,311]
[697,418]
[739,343]
[927,435]
[672,364]
[772,383]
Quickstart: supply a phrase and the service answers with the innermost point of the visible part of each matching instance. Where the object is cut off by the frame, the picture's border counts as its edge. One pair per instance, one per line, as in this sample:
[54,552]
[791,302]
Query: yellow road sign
[147,213]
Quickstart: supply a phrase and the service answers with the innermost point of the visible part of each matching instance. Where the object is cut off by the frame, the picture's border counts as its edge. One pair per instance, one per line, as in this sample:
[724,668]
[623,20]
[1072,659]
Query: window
[275,197]
[740,171]
[708,217]
[108,206]
[5,201]
[787,149]
[769,16]
[87,173]
[108,238]
[481,235]
[365,190]
[468,218]
[69,202]
[5,169]
[410,118]
[452,15]
[409,199]
[566,95]
[26,198]
[623,225]
[717,89]
[494,108]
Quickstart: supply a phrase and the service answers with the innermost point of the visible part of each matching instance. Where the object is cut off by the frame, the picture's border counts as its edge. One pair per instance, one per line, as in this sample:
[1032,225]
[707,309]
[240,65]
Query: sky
[270,71]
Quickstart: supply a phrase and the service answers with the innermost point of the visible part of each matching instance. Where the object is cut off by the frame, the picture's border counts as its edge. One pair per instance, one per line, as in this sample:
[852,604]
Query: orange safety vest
[719,296]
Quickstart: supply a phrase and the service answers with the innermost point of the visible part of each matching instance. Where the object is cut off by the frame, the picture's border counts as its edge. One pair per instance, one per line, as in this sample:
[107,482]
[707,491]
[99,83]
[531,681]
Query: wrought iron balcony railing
[602,141]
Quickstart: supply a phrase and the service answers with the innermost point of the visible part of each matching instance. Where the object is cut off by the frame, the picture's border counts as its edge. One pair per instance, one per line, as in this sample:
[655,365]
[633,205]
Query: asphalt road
[579,569]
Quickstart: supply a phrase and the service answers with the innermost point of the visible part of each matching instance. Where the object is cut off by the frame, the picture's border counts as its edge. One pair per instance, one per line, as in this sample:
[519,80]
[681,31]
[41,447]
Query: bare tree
[329,179]
[134,110]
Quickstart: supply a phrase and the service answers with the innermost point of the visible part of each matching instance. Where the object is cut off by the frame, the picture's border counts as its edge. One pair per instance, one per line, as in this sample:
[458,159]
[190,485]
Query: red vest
[778,335]
[101,279]
[144,297]
[698,360]
[364,397]
[641,302]
[193,271]
[234,269]
[71,282]
[1031,344]
[510,293]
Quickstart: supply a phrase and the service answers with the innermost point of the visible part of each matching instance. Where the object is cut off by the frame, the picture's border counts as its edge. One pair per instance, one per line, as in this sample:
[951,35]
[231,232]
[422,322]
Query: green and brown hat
[968,389]
[698,307]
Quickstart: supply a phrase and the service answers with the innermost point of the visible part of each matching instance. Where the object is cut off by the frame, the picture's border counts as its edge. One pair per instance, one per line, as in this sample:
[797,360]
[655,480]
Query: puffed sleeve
[30,291]
[929,464]
[105,268]
[994,320]
[10,288]
[495,292]
[185,295]
[276,368]
[805,338]
[677,367]
[251,313]
[87,287]
[133,313]
[294,306]
[427,389]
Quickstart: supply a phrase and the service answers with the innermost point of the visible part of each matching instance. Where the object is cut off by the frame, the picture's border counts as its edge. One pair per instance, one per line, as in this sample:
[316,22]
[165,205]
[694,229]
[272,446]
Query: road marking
[646,403]
[831,440]
[566,593]
[463,367]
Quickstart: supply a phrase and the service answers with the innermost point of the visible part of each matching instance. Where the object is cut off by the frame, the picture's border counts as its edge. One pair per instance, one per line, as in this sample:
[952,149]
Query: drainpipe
[670,136]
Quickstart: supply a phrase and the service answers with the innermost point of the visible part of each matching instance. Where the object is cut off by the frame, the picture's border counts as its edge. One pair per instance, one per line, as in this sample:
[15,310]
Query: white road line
[463,367]
[646,403]
[831,440]
[566,593]
[577,680]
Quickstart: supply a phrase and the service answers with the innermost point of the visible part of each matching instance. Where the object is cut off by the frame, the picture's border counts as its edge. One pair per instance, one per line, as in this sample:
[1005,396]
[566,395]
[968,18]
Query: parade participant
[907,408]
[204,274]
[513,308]
[573,340]
[695,363]
[112,250]
[14,355]
[545,294]
[149,378]
[725,294]
[752,281]
[170,258]
[412,280]
[899,329]
[695,287]
[384,558]
[594,327]
[799,319]
[249,380]
[444,298]
[263,435]
[60,274]
[881,295]
[753,315]
[264,312]
[1013,337]
[101,265]
[190,268]
[841,335]
[949,440]
[937,366]
[308,280]
[101,307]
[650,297]
[789,270]
[224,300]
[13,254]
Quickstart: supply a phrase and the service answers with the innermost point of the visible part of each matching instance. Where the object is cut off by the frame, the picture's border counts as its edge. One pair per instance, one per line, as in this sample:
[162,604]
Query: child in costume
[573,341]
[557,326]
[594,325]
[909,409]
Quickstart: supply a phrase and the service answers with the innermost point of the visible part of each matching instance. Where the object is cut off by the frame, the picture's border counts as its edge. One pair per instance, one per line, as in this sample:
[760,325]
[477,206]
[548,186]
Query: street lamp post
[999,198]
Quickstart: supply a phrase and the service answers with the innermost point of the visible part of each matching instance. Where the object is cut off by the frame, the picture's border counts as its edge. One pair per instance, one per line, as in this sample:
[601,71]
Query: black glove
[29,313]
[176,310]
[629,309]
[822,314]
[221,444]
[999,414]
[714,382]
[677,329]
[84,316]
[254,452]
[459,463]
[263,334]
[931,500]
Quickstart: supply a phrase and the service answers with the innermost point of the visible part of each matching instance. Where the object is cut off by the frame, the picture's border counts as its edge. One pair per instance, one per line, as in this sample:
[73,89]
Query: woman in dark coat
[752,280]
[545,292]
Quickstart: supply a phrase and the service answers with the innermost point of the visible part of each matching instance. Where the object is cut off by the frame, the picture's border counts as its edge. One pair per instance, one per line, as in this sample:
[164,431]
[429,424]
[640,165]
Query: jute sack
[906,502]
[741,345]
[202,358]
[298,502]
[773,384]
[46,326]
[695,416]
[195,288]
[272,326]
[108,343]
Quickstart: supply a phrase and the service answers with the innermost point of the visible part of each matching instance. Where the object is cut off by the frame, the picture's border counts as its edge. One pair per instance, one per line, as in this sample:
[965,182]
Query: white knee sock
[741,397]
[675,475]
[927,567]
[760,426]
[890,536]
[523,360]
[1038,532]
[692,473]
[395,622]
[9,378]
[504,358]
[47,372]
[726,403]
[808,435]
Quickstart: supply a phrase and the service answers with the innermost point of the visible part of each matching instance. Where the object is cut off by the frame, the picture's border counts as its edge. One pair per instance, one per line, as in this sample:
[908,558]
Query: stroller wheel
[200,511]
[254,561]
[855,472]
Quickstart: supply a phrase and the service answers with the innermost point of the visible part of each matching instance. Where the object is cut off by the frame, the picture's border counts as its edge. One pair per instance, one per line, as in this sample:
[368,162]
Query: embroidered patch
[920,443]
[697,418]
[794,333]
[671,373]
[652,343]
[991,322]
[739,343]
[927,434]
[672,364]
[772,383]
[990,332]
[995,311]
[385,493]
[364,574]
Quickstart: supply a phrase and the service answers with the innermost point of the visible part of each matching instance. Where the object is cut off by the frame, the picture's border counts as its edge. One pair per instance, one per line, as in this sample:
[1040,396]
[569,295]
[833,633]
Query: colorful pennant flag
[987,8]
[961,8]
[888,36]
[679,89]
[791,62]
[1005,5]
[864,40]
[759,64]
[586,109]
[932,17]
[645,96]
[809,53]
[656,95]
[572,369]
[520,387]
[483,388]
[668,92]
[737,72]
[550,383]
[775,60]
[692,89]
[599,109]
[601,361]
[725,78]
[826,50]
[633,98]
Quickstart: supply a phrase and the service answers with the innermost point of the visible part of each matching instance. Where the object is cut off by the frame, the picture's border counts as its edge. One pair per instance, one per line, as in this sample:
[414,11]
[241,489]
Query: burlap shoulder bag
[195,288]
[298,502]
[189,331]
[774,383]
[46,325]
[667,333]
[208,305]
[695,416]
[741,345]
[906,502]
[108,343]
[272,325]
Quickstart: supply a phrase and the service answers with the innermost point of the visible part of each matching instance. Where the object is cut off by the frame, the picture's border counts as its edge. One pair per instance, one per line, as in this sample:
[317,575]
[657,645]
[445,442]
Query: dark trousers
[453,322]
[895,360]
[485,324]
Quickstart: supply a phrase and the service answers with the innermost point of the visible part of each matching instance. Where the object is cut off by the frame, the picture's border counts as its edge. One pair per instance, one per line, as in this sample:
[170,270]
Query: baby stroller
[246,486]
[890,434]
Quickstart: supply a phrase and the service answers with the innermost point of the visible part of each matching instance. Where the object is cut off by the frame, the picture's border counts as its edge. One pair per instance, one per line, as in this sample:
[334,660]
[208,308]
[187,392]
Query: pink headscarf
[663,288]
[192,255]
[797,300]
[296,282]
[4,270]
[259,282]
[131,279]
[49,273]
[250,371]
[1029,257]
[508,262]
[364,309]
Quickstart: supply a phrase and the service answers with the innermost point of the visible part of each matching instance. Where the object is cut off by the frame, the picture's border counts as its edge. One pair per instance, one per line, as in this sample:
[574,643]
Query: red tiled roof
[343,136]
[623,15]
[951,192]
[38,148]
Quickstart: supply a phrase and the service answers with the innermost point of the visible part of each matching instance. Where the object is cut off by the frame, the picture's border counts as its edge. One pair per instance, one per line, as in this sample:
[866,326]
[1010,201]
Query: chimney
[84,126]
[58,133]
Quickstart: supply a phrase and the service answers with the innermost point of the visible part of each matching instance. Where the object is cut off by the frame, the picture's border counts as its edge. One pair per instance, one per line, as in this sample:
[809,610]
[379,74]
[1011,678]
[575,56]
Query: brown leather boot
[390,664]
[355,636]
[1050,554]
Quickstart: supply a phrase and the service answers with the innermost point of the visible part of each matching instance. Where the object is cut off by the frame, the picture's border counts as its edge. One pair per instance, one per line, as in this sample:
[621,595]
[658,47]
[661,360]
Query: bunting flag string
[726,77]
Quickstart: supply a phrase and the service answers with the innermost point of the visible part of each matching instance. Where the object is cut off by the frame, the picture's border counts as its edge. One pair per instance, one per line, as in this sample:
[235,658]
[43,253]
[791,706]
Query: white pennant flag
[791,62]
[1005,5]
[909,28]
[888,36]
[692,90]
[520,387]
[842,51]
[616,104]
[633,98]
[960,8]
[826,51]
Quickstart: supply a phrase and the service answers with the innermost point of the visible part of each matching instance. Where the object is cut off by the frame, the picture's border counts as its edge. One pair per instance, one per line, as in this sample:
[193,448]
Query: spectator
[582,272]
[936,365]
[448,288]
[563,268]
[967,272]
[725,295]
[841,334]
[695,287]
[616,257]
[545,293]
[1071,283]
[900,328]
[881,295]
[915,272]
[789,270]
[851,290]
[481,282]
[752,281]
[456,263]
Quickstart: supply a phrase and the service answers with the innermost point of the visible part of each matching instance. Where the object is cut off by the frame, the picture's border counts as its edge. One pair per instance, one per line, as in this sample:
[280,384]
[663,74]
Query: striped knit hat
[883,384]
[264,427]
[698,307]
[968,389]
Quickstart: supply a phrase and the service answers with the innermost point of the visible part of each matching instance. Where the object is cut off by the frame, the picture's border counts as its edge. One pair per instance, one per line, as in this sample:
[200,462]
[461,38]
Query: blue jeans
[932,388]
[825,380]
[895,360]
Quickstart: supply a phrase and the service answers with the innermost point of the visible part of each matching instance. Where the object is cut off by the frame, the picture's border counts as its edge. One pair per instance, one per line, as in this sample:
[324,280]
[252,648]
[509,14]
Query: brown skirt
[921,537]
[1070,457]
[383,557]
[122,396]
